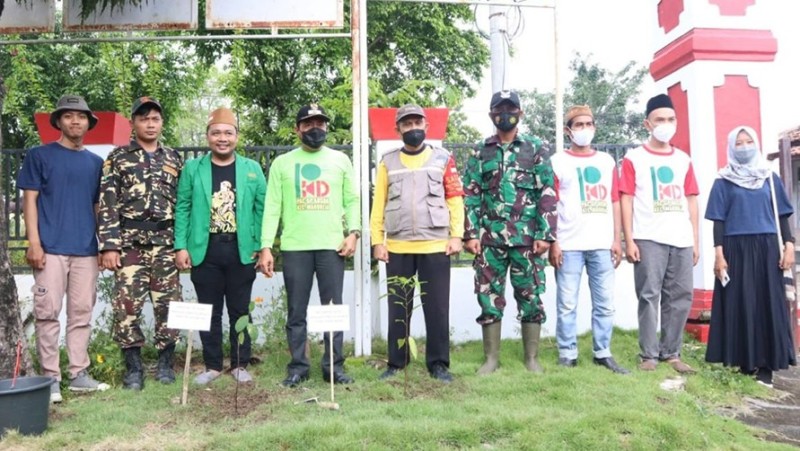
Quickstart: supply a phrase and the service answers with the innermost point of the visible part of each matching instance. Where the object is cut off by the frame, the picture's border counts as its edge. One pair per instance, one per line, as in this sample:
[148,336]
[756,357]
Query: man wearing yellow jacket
[417,222]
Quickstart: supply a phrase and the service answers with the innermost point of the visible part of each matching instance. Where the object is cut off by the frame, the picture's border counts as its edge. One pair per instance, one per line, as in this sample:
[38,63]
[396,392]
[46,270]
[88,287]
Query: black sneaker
[764,377]
[293,380]
[611,364]
[389,373]
[441,373]
[339,377]
[570,363]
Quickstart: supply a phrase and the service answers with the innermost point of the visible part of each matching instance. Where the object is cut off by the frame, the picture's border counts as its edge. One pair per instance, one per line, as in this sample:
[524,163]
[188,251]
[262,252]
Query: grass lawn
[586,407]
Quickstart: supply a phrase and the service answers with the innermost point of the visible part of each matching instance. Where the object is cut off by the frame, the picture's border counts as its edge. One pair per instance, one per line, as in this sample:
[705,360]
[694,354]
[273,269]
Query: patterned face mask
[505,121]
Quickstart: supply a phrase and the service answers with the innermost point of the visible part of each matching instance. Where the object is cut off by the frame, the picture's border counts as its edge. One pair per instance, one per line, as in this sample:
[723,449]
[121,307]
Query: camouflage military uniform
[510,202]
[136,217]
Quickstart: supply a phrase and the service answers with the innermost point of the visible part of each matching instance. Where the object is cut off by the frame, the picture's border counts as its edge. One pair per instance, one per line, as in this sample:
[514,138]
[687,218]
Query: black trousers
[433,272]
[299,268]
[220,280]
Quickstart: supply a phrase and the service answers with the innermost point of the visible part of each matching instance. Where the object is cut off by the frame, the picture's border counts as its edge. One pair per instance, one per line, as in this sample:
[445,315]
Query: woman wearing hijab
[750,325]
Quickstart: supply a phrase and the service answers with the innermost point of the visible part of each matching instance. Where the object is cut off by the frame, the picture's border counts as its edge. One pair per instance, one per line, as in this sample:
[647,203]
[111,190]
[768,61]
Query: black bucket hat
[71,102]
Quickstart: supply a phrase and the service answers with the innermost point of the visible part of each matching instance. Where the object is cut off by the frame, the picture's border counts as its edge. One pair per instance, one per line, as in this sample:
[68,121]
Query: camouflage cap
[142,101]
[408,110]
[71,102]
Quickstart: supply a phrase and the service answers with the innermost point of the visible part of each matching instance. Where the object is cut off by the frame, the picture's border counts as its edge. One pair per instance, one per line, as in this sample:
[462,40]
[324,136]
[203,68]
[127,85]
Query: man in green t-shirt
[311,193]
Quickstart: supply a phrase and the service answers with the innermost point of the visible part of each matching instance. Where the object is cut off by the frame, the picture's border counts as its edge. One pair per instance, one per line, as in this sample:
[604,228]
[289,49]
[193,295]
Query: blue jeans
[600,270]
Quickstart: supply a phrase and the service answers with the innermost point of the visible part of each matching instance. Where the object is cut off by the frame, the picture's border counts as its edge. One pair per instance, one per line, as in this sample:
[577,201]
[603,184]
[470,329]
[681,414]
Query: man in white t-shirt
[659,218]
[589,236]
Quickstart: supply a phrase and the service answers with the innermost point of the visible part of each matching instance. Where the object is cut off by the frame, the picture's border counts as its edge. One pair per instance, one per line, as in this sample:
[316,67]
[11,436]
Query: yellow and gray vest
[415,203]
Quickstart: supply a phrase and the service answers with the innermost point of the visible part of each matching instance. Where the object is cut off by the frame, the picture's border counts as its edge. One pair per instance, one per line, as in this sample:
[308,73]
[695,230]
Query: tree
[109,75]
[611,95]
[11,331]
[417,53]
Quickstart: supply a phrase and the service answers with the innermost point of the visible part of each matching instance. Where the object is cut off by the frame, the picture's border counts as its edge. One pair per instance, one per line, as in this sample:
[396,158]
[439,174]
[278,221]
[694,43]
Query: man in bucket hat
[60,183]
[137,216]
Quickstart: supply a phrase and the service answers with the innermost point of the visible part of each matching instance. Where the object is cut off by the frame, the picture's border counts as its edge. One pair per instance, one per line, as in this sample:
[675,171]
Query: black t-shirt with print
[223,199]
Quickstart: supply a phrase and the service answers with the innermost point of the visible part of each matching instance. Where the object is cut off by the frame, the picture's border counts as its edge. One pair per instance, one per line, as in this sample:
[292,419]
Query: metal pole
[214,37]
[559,89]
[366,157]
[361,157]
[497,47]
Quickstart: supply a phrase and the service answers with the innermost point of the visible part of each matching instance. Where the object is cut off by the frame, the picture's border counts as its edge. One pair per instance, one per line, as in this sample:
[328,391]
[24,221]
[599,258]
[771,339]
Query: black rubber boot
[134,371]
[165,372]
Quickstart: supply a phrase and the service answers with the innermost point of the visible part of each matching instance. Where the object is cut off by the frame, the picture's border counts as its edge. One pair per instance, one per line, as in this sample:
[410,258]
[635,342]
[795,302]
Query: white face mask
[583,137]
[664,132]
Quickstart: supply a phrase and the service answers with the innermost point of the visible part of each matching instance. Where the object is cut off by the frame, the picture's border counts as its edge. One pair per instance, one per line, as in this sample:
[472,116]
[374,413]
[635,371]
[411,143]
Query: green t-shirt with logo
[314,198]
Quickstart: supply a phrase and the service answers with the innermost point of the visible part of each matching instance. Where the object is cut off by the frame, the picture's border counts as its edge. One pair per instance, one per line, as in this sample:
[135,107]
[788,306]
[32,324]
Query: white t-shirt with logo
[659,184]
[587,188]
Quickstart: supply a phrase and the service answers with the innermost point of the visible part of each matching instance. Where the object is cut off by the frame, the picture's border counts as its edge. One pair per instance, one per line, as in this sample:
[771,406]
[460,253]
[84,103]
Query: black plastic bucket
[25,407]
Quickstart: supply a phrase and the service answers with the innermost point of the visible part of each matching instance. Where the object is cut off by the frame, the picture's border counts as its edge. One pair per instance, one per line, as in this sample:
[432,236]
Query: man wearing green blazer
[218,235]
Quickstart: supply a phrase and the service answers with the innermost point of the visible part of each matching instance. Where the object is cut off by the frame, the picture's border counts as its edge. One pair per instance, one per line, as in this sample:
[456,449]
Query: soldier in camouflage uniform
[510,221]
[136,225]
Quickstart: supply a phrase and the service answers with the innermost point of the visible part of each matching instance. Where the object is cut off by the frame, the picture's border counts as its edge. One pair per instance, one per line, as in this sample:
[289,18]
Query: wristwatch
[355,232]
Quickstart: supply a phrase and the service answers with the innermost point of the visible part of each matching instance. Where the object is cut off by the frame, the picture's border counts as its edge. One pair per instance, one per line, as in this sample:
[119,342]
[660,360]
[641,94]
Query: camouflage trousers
[147,271]
[527,279]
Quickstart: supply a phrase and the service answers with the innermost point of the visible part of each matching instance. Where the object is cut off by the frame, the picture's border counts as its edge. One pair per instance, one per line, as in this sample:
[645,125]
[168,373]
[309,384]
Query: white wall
[463,304]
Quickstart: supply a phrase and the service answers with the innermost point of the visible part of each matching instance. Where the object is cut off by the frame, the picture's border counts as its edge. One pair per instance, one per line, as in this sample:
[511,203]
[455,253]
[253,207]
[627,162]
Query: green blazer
[193,208]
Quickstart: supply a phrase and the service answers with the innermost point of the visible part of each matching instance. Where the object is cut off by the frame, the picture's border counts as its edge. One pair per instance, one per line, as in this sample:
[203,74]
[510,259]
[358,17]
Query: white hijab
[751,174]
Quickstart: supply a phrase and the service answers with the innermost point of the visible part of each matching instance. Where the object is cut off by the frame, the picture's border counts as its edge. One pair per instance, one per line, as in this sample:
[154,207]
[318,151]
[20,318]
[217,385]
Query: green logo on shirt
[310,192]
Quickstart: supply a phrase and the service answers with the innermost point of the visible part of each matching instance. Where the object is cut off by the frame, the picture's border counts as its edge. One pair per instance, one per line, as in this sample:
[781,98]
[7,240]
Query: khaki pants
[77,278]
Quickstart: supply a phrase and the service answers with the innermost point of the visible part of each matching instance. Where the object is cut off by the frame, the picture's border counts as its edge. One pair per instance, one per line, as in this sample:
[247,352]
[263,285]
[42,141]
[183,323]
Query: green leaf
[241,338]
[252,330]
[412,345]
[241,323]
[401,342]
[252,306]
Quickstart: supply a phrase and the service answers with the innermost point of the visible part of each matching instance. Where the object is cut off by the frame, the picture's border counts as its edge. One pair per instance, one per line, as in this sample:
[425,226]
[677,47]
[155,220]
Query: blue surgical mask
[744,154]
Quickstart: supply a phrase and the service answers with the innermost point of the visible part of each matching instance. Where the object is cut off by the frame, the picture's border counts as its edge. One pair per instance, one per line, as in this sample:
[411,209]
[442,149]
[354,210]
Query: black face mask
[314,138]
[505,121]
[414,137]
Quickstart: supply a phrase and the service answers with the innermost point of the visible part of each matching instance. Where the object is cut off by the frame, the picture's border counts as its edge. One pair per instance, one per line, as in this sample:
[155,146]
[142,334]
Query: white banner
[227,14]
[189,315]
[32,16]
[328,318]
[152,15]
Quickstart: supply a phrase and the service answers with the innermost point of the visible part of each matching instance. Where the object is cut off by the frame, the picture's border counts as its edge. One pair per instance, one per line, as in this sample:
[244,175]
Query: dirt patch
[57,414]
[219,402]
[779,416]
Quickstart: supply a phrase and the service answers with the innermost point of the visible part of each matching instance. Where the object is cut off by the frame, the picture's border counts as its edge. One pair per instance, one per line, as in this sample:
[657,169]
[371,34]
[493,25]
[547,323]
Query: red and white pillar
[713,58]
[112,130]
